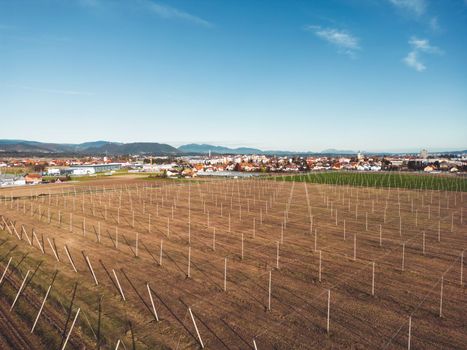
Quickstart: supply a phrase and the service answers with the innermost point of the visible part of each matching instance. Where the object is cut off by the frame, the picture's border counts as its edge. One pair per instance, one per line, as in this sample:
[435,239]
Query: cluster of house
[222,165]
[20,180]
[234,165]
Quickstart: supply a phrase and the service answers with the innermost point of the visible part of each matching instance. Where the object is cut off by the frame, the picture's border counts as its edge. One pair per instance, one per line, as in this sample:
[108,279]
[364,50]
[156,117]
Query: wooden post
[6,269]
[196,328]
[189,231]
[225,274]
[119,285]
[277,255]
[88,262]
[344,230]
[53,249]
[403,256]
[410,333]
[71,329]
[69,258]
[423,243]
[189,263]
[38,242]
[152,302]
[319,266]
[441,297]
[329,310]
[373,279]
[20,290]
[40,309]
[23,230]
[269,295]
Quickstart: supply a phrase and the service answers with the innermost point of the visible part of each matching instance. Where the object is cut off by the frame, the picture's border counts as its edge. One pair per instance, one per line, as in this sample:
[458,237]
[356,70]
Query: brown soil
[233,318]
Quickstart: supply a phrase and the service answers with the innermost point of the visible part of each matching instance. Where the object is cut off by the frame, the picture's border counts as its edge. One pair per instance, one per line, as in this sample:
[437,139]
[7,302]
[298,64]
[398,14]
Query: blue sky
[277,74]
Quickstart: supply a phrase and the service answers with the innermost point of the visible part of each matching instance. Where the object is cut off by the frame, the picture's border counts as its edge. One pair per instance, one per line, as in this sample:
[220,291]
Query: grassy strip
[383,179]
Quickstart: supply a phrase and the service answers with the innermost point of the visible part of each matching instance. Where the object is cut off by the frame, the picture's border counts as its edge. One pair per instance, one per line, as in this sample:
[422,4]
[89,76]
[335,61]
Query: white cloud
[419,46]
[412,61]
[344,41]
[168,12]
[414,7]
[424,45]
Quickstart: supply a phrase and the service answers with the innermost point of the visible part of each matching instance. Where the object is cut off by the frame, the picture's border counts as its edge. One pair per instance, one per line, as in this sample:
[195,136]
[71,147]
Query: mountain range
[34,148]
[23,147]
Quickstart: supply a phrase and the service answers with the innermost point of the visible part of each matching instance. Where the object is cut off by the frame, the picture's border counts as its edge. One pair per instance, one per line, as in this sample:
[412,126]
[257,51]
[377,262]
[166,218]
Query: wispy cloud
[168,12]
[418,10]
[345,42]
[424,45]
[419,46]
[413,7]
[160,9]
[413,61]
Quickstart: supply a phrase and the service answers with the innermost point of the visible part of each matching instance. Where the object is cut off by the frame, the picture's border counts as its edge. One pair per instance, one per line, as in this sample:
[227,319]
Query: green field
[383,179]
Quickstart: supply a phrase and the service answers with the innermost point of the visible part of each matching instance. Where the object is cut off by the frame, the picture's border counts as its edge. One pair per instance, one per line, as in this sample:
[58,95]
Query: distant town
[19,171]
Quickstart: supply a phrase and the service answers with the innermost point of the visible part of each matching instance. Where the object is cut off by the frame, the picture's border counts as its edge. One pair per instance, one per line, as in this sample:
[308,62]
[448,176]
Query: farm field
[391,179]
[233,264]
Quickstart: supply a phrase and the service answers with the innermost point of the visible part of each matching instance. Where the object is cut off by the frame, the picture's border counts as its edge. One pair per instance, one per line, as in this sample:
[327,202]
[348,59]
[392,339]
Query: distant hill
[33,148]
[337,151]
[93,144]
[24,148]
[133,148]
[204,149]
